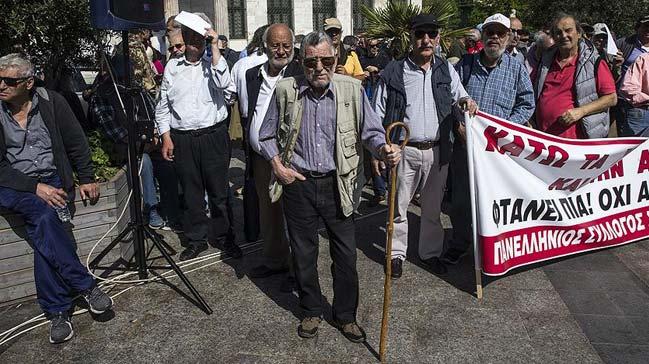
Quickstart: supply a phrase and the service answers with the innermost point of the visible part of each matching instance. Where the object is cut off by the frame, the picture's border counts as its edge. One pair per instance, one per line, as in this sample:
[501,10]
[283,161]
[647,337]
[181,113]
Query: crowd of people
[314,109]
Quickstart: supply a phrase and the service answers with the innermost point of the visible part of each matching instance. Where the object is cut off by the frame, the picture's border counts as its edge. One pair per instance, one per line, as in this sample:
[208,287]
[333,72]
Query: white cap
[599,28]
[497,18]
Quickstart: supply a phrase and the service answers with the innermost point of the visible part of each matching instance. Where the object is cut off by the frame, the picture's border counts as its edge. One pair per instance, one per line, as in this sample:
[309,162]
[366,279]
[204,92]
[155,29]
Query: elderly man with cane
[313,135]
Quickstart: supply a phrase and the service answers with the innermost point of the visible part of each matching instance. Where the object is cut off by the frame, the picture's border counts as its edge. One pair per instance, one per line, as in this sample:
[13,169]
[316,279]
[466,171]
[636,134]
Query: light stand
[136,225]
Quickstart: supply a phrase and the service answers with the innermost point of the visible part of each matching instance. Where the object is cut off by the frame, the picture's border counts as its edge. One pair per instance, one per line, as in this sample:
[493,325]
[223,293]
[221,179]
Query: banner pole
[474,210]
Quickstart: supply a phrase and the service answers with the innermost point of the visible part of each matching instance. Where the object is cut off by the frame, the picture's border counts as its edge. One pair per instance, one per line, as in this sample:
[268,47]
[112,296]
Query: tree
[392,23]
[53,33]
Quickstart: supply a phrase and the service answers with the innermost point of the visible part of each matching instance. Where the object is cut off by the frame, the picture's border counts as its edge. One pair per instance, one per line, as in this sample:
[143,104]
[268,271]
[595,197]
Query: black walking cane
[387,290]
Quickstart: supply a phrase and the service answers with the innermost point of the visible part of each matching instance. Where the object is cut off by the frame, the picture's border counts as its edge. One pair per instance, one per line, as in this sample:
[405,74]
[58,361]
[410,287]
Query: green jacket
[349,148]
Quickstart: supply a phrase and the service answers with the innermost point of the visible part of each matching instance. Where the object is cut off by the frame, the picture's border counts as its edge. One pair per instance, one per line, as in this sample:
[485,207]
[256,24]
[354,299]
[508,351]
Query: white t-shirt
[265,95]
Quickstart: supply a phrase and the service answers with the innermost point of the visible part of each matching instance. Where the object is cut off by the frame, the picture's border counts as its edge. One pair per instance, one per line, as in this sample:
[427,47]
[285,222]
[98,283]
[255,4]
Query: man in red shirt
[574,88]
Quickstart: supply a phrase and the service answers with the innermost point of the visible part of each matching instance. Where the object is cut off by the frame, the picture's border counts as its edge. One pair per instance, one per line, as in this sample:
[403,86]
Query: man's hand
[89,191]
[619,59]
[54,197]
[571,116]
[467,104]
[209,32]
[391,154]
[340,69]
[167,150]
[377,167]
[461,131]
[285,175]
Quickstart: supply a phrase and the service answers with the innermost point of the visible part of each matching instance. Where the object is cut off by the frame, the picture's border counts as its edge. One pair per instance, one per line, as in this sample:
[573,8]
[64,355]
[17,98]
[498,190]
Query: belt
[316,175]
[198,132]
[423,145]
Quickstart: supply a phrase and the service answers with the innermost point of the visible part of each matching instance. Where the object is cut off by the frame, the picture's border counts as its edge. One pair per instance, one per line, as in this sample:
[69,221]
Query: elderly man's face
[495,38]
[319,64]
[194,44]
[13,86]
[279,47]
[335,34]
[566,35]
[176,45]
[599,41]
[424,40]
[373,48]
[516,26]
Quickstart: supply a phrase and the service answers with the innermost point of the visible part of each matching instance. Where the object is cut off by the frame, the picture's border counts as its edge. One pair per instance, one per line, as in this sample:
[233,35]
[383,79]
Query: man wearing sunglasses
[348,63]
[41,143]
[190,117]
[313,135]
[501,86]
[422,90]
[514,47]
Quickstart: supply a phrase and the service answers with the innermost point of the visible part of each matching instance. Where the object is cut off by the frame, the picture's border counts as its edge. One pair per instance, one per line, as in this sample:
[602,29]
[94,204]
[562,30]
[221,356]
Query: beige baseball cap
[497,18]
[332,23]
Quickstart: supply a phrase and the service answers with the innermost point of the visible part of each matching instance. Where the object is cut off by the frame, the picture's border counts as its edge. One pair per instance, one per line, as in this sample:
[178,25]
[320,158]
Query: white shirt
[192,96]
[263,100]
[238,85]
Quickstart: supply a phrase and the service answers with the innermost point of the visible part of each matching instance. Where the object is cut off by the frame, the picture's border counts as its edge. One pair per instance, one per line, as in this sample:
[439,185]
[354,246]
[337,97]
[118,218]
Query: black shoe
[232,249]
[376,200]
[98,301]
[264,271]
[453,256]
[60,328]
[435,265]
[192,251]
[288,285]
[396,268]
[352,332]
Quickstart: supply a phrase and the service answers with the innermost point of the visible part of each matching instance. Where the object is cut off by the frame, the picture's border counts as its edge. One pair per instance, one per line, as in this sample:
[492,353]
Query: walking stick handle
[388,133]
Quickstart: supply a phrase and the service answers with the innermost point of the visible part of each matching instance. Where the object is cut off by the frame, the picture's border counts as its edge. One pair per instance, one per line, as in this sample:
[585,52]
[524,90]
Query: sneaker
[309,327]
[98,301]
[352,332]
[60,328]
[155,220]
[453,256]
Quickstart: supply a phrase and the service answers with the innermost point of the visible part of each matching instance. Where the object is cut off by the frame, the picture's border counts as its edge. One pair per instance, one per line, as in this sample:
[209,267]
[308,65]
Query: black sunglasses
[177,46]
[312,62]
[12,82]
[432,34]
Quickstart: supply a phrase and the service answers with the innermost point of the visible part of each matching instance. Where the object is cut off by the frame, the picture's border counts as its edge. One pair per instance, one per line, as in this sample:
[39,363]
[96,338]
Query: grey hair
[313,39]
[267,34]
[19,62]
[539,38]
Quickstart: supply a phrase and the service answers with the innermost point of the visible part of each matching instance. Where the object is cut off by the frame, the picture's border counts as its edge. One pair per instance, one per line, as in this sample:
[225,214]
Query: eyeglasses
[432,34]
[275,47]
[374,46]
[332,32]
[312,62]
[177,46]
[516,31]
[13,82]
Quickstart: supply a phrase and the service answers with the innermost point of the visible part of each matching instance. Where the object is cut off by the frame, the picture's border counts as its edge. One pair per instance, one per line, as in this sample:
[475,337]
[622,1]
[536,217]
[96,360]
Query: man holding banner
[421,91]
[501,86]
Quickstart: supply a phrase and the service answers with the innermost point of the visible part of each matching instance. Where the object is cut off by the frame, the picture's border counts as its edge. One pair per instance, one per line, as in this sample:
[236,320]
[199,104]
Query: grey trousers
[419,170]
[271,217]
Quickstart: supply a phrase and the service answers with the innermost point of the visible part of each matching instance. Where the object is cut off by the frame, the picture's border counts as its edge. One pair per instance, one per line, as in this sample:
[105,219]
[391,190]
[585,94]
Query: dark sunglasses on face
[177,46]
[432,34]
[312,62]
[374,45]
[332,32]
[11,81]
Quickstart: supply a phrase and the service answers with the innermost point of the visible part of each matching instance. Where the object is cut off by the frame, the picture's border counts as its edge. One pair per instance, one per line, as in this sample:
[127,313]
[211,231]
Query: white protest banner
[539,197]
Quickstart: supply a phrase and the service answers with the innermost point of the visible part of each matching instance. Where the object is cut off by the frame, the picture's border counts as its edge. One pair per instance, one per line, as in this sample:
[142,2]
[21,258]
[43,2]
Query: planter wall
[87,226]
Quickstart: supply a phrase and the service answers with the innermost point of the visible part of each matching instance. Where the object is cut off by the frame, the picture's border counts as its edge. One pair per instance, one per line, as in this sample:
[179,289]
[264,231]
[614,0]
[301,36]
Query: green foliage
[484,8]
[54,33]
[392,22]
[104,166]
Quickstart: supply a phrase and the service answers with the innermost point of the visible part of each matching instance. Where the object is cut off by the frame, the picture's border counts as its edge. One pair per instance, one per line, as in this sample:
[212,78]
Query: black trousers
[460,199]
[202,162]
[304,203]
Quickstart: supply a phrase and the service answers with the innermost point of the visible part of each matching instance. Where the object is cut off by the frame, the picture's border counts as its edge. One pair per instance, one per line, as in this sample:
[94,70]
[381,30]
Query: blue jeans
[58,273]
[148,184]
[636,120]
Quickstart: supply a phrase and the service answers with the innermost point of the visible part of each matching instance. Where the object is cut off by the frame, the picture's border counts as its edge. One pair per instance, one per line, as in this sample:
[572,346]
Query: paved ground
[586,309]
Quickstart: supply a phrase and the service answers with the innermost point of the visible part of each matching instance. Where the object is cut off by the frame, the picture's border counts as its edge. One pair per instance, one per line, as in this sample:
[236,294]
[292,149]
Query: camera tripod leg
[157,242]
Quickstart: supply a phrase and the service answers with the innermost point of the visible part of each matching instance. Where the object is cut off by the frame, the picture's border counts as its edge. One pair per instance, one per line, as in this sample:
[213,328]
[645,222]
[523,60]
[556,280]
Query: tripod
[136,226]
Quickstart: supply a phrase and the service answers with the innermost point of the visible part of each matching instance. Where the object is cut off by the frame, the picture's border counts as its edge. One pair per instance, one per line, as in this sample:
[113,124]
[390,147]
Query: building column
[256,15]
[303,16]
[171,8]
[344,14]
[221,24]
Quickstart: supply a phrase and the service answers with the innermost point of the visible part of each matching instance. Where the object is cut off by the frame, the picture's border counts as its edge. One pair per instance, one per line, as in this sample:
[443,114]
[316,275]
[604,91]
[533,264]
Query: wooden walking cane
[387,291]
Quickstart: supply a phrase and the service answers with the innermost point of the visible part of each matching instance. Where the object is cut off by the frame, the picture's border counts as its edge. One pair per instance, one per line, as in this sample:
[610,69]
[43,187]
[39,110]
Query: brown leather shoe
[352,332]
[309,327]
